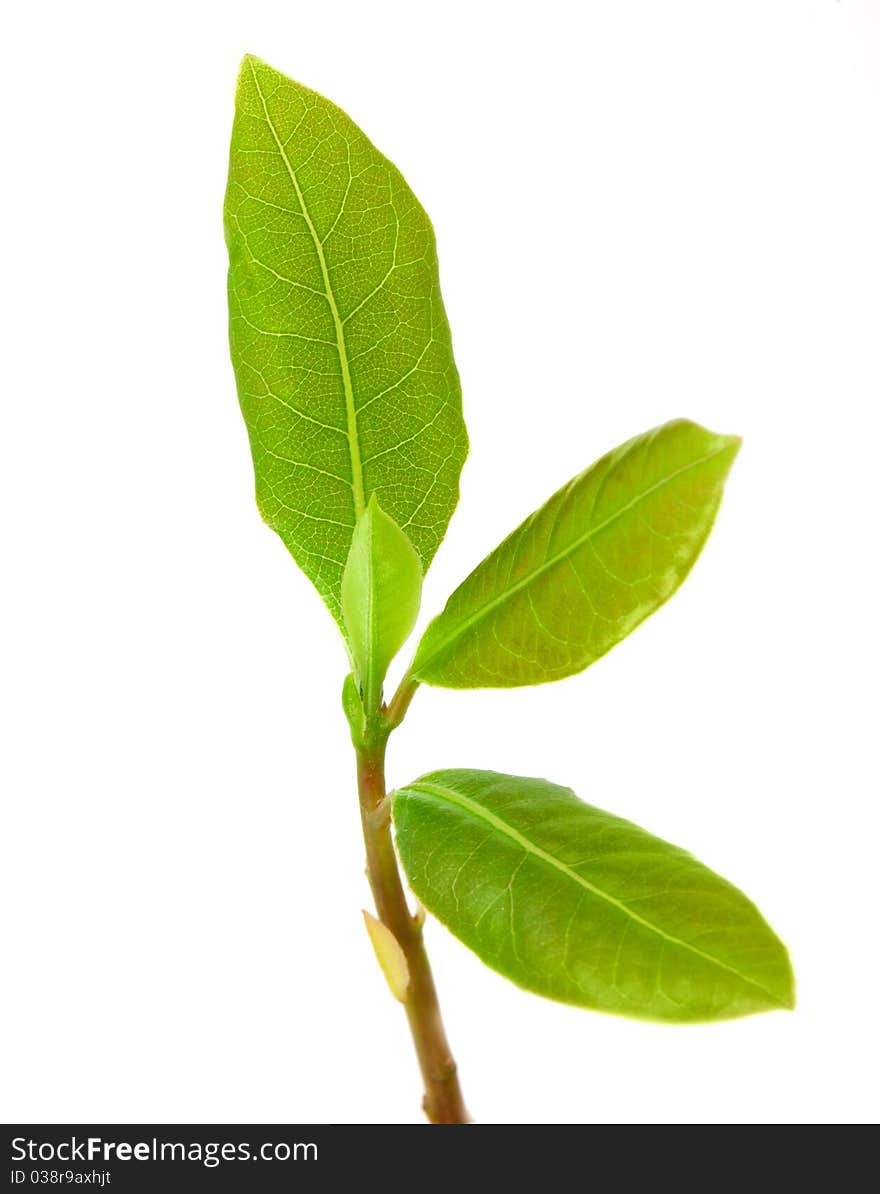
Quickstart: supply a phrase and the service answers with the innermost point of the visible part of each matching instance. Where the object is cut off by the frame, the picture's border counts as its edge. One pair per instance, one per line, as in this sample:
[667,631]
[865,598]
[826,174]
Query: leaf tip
[245,78]
[246,67]
[250,65]
[788,1001]
[781,989]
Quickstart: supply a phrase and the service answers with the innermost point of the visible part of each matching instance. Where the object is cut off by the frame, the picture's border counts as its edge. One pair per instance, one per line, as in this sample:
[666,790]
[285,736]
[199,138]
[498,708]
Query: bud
[389,955]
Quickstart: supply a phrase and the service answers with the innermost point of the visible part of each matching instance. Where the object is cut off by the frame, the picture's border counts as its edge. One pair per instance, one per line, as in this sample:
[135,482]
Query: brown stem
[443,1102]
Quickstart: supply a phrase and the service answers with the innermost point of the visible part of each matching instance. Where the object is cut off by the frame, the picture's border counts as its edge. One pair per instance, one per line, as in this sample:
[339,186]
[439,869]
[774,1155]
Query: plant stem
[443,1102]
[400,702]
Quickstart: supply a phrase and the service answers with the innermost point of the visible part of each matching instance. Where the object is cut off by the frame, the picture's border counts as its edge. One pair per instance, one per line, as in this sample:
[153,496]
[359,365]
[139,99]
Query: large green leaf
[381,591]
[583,571]
[339,340]
[578,905]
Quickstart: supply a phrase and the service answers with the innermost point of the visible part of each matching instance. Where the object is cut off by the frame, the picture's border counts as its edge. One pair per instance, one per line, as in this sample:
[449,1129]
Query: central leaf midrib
[439,792]
[462,627]
[357,478]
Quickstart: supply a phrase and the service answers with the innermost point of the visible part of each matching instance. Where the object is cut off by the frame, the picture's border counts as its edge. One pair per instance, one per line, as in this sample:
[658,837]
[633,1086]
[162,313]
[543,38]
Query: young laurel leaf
[381,592]
[583,571]
[391,958]
[581,906]
[339,339]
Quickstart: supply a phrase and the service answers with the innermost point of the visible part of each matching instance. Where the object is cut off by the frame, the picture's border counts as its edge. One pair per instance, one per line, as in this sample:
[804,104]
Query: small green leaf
[381,591]
[583,571]
[353,708]
[339,339]
[583,907]
[390,956]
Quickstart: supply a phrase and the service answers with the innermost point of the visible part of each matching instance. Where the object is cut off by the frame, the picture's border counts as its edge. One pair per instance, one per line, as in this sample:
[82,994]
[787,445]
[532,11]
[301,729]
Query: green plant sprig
[346,378]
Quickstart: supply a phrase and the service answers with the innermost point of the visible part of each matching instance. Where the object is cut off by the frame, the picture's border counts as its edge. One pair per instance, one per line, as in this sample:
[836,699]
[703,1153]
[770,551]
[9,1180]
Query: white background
[643,210]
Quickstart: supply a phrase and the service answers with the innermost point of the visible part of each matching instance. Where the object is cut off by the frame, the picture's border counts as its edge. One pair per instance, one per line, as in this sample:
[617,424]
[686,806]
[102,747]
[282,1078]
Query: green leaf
[339,339]
[353,708]
[381,591]
[390,956]
[583,907]
[583,571]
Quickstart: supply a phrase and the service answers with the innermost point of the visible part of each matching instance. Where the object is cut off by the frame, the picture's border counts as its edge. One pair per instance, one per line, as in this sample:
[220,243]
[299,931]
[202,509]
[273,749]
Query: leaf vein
[357,481]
